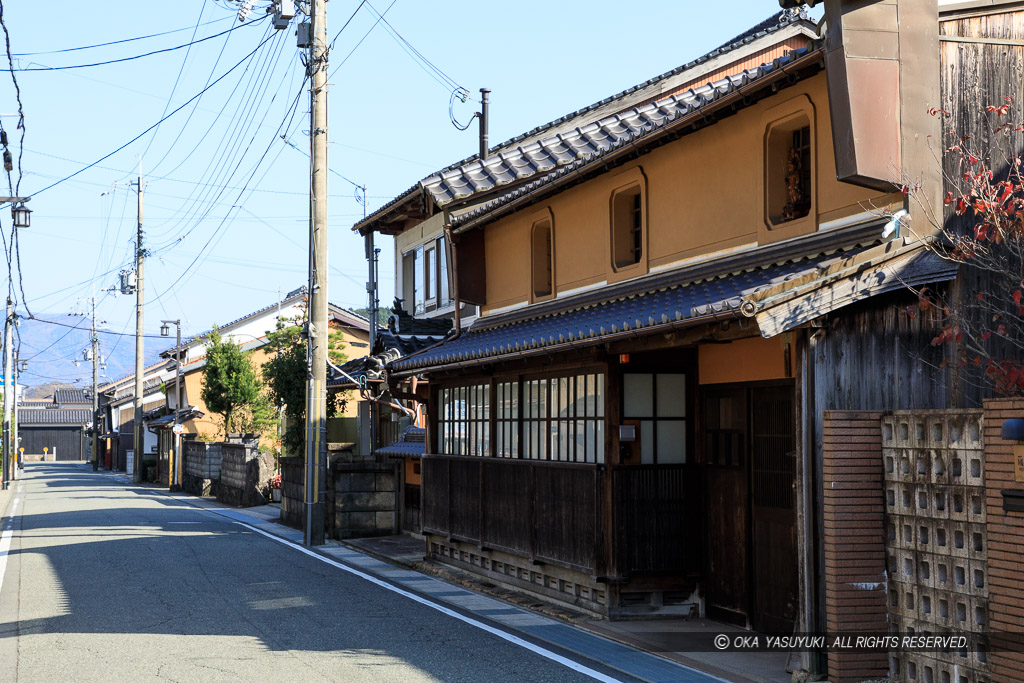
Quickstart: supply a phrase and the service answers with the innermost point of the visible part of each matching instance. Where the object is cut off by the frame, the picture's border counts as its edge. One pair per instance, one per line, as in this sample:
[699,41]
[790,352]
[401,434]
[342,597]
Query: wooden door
[773,508]
[725,433]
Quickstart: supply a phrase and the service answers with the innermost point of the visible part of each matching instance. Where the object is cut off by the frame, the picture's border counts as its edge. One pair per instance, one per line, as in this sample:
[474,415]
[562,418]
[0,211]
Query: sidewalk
[648,650]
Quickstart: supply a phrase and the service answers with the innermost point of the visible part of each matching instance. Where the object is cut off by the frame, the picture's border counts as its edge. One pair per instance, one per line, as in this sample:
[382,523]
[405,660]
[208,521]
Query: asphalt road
[116,583]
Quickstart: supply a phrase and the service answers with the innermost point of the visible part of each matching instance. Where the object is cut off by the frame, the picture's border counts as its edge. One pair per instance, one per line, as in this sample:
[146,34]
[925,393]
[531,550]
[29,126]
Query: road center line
[565,661]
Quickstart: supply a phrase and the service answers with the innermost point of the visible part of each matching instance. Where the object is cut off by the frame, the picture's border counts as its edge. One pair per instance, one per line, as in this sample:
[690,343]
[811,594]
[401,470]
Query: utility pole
[94,341]
[371,290]
[139,439]
[8,356]
[16,463]
[95,391]
[316,340]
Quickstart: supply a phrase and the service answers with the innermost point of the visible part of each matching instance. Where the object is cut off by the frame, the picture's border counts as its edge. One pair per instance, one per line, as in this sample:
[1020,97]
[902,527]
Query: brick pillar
[854,538]
[1005,532]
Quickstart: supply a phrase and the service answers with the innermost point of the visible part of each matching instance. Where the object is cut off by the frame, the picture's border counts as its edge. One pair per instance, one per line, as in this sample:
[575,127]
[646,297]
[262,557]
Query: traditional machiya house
[669,296]
[118,416]
[250,333]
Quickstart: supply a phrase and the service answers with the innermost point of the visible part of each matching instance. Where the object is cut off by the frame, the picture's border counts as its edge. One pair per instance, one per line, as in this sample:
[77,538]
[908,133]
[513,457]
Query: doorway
[750,474]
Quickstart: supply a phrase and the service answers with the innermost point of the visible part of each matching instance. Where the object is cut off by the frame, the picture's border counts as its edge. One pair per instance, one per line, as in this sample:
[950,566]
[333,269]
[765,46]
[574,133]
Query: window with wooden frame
[789,170]
[557,418]
[542,265]
[425,285]
[656,402]
[627,226]
[463,422]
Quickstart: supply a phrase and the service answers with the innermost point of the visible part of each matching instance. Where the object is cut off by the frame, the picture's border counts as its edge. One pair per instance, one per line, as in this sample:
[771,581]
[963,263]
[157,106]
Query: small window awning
[779,296]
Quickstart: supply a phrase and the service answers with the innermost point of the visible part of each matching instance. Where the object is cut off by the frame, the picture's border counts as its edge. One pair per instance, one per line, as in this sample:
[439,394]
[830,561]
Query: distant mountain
[52,344]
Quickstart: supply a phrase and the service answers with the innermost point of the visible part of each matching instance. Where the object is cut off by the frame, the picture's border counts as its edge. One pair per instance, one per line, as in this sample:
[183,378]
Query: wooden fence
[542,510]
[552,512]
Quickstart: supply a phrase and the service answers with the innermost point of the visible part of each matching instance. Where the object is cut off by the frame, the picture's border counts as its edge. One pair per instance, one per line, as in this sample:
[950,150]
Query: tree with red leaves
[983,230]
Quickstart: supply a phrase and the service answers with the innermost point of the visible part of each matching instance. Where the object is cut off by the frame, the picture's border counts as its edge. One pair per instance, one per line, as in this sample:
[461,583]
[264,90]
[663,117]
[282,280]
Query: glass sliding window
[429,274]
[535,419]
[418,284]
[559,418]
[658,403]
[443,287]
[507,419]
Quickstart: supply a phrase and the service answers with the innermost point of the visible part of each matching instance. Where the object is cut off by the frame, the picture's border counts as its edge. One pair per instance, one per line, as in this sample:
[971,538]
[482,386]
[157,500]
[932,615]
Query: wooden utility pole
[8,394]
[316,354]
[140,257]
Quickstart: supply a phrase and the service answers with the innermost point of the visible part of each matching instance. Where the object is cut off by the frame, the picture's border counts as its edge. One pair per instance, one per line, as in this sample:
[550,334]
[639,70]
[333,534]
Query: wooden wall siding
[544,511]
[854,543]
[655,526]
[1005,542]
[935,531]
[974,75]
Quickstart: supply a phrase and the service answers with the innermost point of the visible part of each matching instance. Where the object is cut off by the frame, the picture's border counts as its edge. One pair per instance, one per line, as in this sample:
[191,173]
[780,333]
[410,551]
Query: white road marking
[564,661]
[5,540]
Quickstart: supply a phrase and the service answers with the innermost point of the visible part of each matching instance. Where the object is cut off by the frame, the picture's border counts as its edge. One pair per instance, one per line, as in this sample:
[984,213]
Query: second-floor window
[627,227]
[788,164]
[425,285]
[543,285]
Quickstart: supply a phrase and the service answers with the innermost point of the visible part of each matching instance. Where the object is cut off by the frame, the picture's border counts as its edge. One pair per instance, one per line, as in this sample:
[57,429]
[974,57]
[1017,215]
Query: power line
[284,124]
[229,150]
[365,35]
[147,54]
[137,137]
[98,331]
[177,78]
[21,150]
[446,81]
[118,42]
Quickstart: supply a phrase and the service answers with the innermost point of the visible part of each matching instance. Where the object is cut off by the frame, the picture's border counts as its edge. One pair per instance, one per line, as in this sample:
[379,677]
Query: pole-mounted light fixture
[165,330]
[21,214]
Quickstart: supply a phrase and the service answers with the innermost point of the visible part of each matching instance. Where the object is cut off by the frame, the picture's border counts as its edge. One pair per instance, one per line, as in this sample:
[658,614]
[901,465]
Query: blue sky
[225,197]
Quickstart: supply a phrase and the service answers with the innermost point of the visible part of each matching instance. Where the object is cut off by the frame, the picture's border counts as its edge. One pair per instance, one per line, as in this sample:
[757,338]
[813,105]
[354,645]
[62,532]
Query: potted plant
[275,488]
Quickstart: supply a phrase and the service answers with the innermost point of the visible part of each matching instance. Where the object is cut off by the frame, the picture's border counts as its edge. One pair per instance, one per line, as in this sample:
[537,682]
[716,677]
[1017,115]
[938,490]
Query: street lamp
[165,331]
[22,214]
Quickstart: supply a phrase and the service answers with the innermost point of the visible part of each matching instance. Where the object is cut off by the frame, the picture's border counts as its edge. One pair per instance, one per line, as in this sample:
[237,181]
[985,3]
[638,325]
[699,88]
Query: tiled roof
[290,298]
[640,309]
[411,443]
[567,152]
[53,416]
[390,347]
[64,396]
[772,24]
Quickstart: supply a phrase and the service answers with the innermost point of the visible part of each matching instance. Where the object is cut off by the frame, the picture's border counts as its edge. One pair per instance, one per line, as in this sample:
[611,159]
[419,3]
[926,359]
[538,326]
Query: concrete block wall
[936,538]
[201,467]
[854,539]
[365,501]
[1005,542]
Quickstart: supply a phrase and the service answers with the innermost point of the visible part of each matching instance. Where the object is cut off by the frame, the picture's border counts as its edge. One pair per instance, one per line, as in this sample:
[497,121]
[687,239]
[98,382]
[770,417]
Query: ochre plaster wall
[704,193]
[745,360]
[210,424]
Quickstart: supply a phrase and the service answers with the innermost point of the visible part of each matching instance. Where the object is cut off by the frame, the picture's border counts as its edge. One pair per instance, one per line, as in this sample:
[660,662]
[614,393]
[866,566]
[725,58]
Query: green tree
[231,387]
[285,375]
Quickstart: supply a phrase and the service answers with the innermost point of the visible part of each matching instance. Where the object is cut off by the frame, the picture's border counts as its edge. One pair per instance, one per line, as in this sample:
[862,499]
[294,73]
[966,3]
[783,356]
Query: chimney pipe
[484,107]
